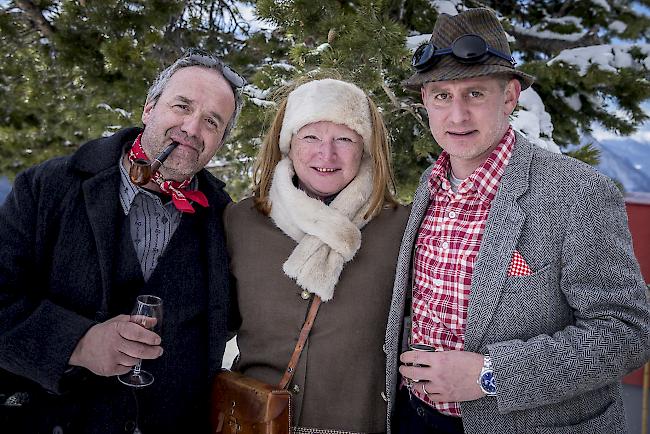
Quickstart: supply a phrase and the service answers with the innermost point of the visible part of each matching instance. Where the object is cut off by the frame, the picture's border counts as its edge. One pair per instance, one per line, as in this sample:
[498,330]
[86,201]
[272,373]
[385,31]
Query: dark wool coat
[339,380]
[68,263]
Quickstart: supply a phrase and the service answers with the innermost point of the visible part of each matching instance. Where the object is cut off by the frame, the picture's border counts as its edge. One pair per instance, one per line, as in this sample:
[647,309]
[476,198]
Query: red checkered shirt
[445,251]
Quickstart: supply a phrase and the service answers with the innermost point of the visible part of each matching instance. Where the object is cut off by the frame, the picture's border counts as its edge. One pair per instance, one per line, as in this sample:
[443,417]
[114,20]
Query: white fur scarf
[327,236]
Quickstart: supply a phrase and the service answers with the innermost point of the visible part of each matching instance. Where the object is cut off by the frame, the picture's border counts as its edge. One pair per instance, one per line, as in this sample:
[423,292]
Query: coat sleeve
[600,280]
[37,335]
[234,317]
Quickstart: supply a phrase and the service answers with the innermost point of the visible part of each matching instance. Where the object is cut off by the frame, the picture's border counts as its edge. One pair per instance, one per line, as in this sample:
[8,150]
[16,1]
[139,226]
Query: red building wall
[638,214]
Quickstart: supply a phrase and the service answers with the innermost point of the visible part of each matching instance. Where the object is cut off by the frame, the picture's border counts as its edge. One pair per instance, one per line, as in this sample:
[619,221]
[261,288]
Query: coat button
[383,348]
[305,294]
[295,389]
[420,411]
[384,397]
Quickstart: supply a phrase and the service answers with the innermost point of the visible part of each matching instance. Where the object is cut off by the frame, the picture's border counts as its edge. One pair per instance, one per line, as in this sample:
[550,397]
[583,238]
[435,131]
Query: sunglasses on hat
[468,49]
[228,73]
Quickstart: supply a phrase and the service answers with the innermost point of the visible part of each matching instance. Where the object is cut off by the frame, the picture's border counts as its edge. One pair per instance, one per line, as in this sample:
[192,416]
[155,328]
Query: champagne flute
[147,312]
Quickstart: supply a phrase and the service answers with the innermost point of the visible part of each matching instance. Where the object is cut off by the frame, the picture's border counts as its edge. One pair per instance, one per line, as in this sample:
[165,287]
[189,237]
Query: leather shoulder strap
[304,333]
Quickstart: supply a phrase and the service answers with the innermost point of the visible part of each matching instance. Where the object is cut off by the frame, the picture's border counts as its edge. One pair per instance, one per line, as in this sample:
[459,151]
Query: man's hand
[113,347]
[448,376]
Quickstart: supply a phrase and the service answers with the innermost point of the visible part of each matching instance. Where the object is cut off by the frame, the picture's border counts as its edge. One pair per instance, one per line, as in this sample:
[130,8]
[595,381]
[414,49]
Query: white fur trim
[326,100]
[327,236]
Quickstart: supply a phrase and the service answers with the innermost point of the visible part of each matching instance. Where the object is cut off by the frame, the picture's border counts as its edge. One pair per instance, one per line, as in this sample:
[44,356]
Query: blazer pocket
[516,284]
[606,422]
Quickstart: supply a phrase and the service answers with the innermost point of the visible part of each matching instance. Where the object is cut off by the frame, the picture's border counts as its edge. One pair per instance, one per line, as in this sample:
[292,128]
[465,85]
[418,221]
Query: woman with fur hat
[323,222]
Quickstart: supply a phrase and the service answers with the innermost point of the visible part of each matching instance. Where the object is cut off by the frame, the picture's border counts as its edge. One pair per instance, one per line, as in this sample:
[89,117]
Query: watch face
[487,382]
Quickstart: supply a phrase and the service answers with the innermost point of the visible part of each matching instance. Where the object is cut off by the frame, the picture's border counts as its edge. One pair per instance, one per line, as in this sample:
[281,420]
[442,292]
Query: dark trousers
[412,416]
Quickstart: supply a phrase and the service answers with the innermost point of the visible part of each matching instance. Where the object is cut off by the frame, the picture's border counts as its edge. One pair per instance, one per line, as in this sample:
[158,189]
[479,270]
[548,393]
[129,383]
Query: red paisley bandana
[177,190]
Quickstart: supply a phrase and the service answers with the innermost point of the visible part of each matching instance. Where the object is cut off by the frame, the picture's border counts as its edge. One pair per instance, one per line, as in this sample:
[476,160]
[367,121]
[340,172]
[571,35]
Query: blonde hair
[383,189]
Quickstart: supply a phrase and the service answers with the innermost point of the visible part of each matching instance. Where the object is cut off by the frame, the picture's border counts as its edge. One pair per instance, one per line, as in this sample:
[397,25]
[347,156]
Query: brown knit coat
[341,374]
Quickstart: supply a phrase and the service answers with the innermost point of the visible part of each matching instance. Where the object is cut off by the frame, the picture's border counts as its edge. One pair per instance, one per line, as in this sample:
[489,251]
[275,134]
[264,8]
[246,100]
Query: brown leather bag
[244,405]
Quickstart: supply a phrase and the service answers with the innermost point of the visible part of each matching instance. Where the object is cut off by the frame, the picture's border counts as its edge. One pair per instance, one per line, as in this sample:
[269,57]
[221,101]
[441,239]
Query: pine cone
[331,35]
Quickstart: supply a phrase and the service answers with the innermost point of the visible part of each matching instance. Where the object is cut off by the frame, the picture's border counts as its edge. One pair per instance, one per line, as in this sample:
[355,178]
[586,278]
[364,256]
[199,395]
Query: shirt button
[305,295]
[445,245]
[452,214]
[295,389]
[438,282]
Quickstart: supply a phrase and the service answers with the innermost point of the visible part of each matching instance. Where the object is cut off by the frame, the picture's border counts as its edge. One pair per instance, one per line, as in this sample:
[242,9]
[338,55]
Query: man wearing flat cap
[525,305]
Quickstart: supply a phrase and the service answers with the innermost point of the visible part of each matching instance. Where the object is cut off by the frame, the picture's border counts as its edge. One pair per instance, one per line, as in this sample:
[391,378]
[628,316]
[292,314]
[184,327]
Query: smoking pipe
[142,170]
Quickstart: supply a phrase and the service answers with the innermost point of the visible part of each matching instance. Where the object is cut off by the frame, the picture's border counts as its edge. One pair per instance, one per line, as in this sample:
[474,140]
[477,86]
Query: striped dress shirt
[152,223]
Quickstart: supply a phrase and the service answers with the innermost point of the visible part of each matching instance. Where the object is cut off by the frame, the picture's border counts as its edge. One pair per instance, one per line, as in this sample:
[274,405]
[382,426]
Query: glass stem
[136,368]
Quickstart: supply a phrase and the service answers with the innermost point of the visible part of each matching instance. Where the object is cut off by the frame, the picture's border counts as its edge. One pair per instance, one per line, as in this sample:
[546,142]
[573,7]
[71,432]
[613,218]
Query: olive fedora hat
[470,44]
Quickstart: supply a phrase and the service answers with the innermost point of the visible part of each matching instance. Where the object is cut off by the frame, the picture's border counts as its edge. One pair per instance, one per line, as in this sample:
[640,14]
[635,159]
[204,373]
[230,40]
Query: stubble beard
[170,169]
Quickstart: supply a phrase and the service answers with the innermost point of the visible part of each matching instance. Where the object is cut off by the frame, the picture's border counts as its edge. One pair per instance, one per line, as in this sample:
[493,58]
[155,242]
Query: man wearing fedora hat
[526,302]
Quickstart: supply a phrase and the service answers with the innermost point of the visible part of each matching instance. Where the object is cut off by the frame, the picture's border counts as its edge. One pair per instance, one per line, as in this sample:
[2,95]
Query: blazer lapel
[419,207]
[96,162]
[405,257]
[402,286]
[101,194]
[502,231]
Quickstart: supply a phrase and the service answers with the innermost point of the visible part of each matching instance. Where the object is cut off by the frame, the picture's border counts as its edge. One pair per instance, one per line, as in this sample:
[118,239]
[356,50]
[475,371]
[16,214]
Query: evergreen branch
[478,4]
[532,43]
[563,10]
[35,15]
[402,107]
[401,9]
[239,22]
[211,15]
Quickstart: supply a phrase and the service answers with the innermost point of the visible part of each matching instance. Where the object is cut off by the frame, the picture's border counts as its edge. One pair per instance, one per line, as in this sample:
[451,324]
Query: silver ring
[425,390]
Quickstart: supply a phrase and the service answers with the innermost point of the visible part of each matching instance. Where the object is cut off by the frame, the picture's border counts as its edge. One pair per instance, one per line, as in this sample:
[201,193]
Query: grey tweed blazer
[561,338]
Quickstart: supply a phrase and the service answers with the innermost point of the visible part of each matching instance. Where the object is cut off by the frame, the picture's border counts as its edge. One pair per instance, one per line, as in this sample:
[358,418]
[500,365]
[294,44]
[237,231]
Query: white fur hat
[326,100]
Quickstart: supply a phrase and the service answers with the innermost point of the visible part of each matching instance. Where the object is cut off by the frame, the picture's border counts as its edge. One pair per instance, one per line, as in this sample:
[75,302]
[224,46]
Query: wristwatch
[486,378]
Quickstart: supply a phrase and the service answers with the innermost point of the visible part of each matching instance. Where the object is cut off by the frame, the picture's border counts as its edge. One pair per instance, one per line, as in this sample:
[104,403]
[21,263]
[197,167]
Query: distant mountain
[626,161]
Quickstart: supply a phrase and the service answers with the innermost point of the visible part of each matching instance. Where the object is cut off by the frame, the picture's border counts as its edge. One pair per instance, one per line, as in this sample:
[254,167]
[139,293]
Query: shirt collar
[484,180]
[128,191]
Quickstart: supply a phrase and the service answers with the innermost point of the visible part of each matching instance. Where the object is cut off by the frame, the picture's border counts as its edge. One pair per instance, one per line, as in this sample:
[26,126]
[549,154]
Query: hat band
[467,49]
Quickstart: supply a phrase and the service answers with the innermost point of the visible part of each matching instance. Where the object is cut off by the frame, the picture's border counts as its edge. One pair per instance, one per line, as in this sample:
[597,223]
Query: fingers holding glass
[415,364]
[148,313]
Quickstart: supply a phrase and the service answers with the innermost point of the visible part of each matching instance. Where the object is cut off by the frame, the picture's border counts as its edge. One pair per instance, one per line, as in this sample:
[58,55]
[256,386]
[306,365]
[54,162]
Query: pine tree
[72,71]
[365,39]
[75,70]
